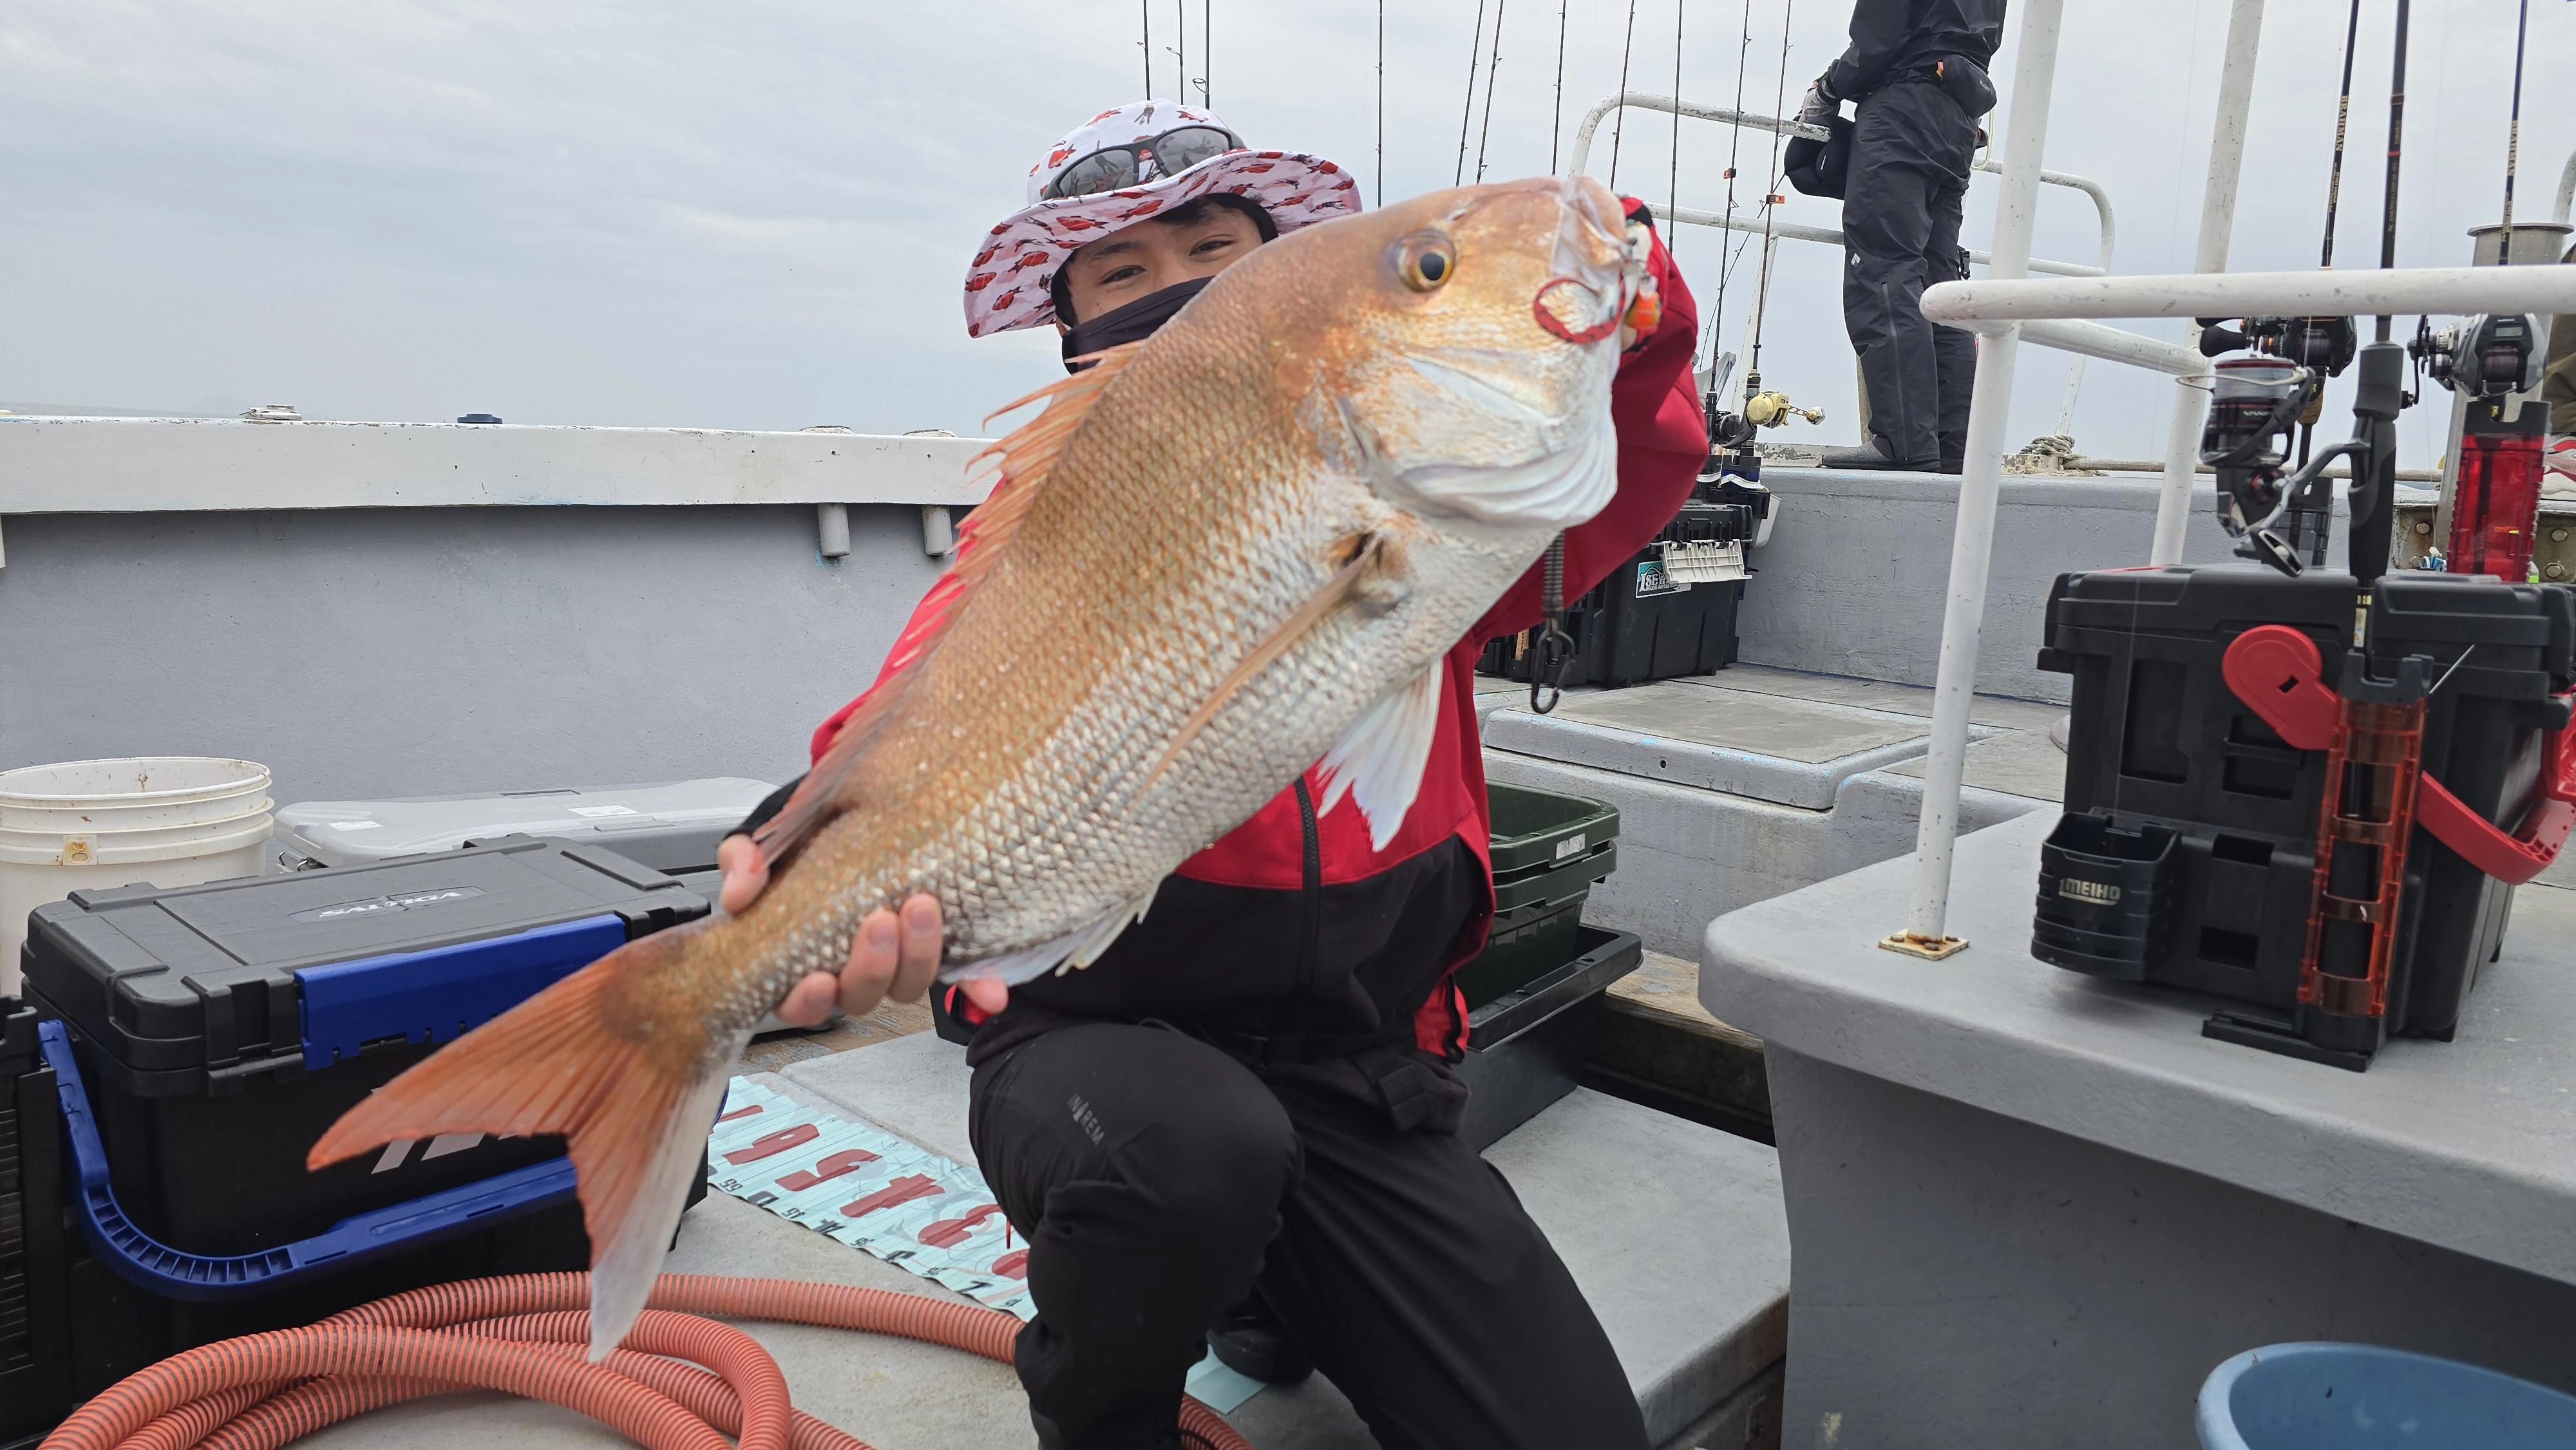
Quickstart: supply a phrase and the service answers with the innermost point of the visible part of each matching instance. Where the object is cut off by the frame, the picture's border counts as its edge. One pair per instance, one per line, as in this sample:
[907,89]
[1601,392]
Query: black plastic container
[2158,738]
[1527,1048]
[1548,850]
[35,1354]
[207,1035]
[2105,896]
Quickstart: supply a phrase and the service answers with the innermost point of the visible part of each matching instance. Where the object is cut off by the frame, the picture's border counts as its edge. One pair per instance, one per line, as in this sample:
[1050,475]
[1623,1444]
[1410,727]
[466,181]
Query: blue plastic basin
[2361,1397]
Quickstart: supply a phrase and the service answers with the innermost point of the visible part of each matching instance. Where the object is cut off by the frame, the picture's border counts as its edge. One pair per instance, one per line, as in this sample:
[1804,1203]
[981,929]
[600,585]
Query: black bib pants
[1910,151]
[1157,1179]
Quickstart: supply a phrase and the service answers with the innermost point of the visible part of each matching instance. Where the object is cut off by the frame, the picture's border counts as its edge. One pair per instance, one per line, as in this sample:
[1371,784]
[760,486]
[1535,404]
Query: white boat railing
[1752,221]
[148,465]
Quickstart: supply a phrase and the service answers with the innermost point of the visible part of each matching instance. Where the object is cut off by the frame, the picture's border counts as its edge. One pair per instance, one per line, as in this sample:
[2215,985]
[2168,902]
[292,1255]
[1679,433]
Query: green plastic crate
[1548,849]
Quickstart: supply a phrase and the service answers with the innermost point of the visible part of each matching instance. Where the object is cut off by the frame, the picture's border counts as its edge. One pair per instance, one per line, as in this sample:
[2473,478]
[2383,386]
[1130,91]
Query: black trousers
[1158,1179]
[1911,146]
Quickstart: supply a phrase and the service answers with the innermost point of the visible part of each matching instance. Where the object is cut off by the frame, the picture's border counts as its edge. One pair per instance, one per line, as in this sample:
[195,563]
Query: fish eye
[1426,260]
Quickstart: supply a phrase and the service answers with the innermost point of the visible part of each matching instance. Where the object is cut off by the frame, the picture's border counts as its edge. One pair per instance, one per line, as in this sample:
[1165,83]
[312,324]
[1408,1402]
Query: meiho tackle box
[2186,853]
[669,826]
[1548,850]
[200,1039]
[1667,612]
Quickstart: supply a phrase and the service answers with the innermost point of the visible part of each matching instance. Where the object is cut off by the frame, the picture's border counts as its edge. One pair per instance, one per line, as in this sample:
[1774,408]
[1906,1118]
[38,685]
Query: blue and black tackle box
[198,1040]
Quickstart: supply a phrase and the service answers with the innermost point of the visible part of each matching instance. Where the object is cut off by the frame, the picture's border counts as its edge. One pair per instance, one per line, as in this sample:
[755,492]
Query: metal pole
[1973,538]
[2342,292]
[1829,236]
[2217,227]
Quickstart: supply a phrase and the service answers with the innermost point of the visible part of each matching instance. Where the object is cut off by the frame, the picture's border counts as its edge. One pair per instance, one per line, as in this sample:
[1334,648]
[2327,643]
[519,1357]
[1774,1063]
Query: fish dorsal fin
[1024,457]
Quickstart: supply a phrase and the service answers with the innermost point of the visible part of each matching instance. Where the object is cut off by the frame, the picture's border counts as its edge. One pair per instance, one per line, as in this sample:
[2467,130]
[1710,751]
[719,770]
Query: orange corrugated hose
[526,1335]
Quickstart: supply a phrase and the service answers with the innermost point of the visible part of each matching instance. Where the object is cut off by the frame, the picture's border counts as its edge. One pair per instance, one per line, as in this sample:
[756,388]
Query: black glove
[1819,104]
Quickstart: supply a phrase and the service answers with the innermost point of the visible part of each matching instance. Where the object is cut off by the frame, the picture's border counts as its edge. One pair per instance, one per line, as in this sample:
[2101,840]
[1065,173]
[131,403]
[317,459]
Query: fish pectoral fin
[635,1119]
[1079,947]
[1371,577]
[1379,760]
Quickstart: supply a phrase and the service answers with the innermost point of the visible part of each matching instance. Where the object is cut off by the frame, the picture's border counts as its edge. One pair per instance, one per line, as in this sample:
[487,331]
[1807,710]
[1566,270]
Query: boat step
[1743,785]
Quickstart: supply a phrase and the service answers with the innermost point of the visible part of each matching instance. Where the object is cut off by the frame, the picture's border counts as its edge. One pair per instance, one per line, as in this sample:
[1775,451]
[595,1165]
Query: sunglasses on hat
[1112,167]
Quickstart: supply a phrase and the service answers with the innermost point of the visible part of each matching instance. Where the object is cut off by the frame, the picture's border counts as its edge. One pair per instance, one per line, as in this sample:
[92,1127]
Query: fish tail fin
[634,1106]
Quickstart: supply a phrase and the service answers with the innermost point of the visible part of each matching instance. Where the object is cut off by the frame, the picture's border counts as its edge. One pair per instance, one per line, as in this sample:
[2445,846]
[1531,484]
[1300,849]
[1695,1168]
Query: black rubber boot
[1870,455]
[1251,1341]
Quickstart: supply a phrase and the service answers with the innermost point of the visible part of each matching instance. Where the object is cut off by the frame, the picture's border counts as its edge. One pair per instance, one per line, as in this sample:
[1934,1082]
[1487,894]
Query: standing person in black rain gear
[1916,73]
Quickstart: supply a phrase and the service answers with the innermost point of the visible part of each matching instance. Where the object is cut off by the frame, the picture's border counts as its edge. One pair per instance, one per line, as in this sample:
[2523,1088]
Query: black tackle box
[35,1356]
[1661,615]
[2189,841]
[200,1039]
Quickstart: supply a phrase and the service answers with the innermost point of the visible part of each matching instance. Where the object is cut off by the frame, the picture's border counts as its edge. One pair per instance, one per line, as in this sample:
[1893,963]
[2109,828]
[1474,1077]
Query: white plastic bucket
[171,820]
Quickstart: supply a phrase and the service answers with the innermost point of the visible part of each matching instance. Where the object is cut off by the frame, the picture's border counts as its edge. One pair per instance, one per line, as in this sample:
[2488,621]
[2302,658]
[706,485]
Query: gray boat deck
[1675,1232]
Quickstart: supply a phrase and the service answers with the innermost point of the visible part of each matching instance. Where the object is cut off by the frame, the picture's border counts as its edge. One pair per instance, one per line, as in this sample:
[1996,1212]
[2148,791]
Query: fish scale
[1221,556]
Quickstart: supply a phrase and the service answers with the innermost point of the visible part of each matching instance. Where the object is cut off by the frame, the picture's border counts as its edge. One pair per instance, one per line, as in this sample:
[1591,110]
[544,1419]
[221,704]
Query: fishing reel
[1773,410]
[2254,406]
[2326,344]
[2492,355]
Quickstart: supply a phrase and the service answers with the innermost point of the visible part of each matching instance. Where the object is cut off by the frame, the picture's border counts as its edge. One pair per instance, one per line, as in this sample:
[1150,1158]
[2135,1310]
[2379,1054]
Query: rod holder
[832,529]
[938,531]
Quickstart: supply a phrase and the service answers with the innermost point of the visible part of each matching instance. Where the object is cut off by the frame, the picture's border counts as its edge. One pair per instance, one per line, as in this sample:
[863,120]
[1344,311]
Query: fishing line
[1620,125]
[1145,14]
[1181,51]
[1673,183]
[1491,66]
[1381,103]
[2343,116]
[1556,121]
[1467,108]
[2513,130]
[1206,34]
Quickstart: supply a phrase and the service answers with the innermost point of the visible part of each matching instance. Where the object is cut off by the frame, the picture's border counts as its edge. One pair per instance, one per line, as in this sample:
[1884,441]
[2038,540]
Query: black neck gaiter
[1131,323]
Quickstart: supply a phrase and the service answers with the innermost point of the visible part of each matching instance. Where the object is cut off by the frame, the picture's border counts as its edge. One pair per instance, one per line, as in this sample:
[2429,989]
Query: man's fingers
[917,947]
[746,873]
[809,1002]
[987,993]
[874,955]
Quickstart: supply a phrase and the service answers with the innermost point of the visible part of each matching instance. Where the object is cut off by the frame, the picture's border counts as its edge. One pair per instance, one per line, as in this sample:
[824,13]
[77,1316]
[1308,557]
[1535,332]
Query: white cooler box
[674,826]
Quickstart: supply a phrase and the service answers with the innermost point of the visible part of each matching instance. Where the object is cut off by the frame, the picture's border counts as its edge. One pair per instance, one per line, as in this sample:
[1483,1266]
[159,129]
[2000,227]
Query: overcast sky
[758,214]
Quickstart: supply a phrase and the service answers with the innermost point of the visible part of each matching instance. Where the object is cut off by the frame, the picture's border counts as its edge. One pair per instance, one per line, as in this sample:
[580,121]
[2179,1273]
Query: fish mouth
[1586,290]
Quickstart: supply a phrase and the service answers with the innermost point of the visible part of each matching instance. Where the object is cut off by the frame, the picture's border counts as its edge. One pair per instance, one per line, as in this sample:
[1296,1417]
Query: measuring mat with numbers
[871,1190]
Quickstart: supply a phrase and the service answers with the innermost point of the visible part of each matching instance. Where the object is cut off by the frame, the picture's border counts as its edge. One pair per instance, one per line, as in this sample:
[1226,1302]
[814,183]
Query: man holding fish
[1100,787]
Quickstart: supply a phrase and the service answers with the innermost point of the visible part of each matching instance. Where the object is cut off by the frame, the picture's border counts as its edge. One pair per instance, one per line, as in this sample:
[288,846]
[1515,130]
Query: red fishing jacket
[1292,926]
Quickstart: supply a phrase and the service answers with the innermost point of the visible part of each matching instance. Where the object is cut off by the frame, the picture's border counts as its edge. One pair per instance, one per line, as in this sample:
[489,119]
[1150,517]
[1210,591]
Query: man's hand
[1816,107]
[891,955]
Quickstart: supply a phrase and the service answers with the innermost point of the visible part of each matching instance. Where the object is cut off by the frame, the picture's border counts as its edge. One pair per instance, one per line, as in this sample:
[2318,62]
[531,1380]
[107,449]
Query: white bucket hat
[1008,284]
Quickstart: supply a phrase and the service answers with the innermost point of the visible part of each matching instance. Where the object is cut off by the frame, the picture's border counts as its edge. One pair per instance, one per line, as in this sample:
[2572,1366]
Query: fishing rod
[1619,123]
[1673,182]
[1735,432]
[1727,257]
[1492,65]
[1467,107]
[1556,119]
[2513,127]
